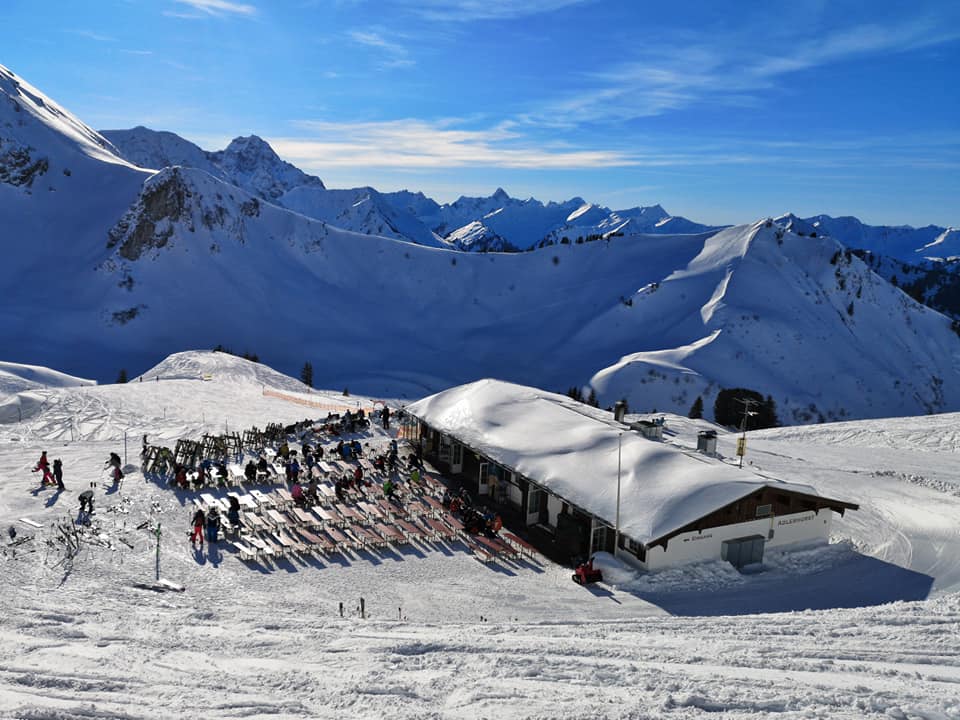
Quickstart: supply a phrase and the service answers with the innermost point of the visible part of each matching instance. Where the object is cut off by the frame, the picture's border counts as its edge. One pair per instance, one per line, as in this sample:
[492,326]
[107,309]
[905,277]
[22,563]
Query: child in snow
[199,520]
[86,502]
[44,465]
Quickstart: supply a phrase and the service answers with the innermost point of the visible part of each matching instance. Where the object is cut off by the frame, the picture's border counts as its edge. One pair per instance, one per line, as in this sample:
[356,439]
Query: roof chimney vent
[619,410]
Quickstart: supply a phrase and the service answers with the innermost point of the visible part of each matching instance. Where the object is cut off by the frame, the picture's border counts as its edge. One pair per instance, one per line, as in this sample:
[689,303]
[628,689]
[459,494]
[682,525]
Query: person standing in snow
[199,520]
[386,417]
[213,525]
[58,473]
[44,465]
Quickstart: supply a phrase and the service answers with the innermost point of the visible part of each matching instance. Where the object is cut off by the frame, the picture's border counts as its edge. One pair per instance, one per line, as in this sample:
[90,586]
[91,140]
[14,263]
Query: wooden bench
[254,522]
[348,513]
[391,533]
[285,498]
[371,510]
[213,502]
[454,523]
[411,531]
[263,500]
[304,517]
[329,516]
[327,493]
[289,542]
[368,536]
[522,545]
[320,544]
[246,553]
[246,502]
[482,554]
[341,539]
[260,545]
[435,505]
[440,530]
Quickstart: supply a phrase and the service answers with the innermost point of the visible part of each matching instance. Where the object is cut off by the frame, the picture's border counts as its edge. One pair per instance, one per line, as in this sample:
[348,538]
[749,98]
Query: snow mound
[15,378]
[222,367]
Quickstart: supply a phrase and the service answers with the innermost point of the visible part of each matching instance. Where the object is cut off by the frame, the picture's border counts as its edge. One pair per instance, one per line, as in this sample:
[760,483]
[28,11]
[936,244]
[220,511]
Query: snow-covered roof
[571,449]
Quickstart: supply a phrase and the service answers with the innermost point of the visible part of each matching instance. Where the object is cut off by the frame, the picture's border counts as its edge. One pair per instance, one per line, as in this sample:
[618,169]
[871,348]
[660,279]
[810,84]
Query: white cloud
[397,54]
[375,39]
[668,77]
[91,35]
[467,10]
[418,144]
[216,7]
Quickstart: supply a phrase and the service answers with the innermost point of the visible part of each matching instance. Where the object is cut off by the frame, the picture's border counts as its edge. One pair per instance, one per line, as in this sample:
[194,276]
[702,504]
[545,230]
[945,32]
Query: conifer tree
[696,410]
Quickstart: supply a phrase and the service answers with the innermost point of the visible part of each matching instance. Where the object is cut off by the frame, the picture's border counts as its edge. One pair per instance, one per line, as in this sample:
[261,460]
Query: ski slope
[446,636]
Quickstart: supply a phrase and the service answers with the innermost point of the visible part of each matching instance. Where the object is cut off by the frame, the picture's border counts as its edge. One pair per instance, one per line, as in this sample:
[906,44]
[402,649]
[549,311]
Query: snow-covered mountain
[109,266]
[502,223]
[902,242]
[362,210]
[248,162]
[805,314]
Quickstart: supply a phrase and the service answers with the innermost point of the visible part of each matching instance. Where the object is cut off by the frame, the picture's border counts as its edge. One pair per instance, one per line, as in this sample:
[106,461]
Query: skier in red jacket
[44,465]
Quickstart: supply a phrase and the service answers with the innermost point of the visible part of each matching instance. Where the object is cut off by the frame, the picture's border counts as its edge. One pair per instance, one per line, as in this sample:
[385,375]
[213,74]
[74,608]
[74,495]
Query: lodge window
[637,549]
[764,510]
[537,498]
[457,453]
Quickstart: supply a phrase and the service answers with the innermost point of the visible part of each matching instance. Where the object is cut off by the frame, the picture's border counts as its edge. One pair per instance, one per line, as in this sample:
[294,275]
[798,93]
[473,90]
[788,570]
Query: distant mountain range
[496,223]
[121,248]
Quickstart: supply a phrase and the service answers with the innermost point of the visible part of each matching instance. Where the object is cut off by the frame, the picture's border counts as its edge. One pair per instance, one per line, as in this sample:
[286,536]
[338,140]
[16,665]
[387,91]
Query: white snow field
[867,627]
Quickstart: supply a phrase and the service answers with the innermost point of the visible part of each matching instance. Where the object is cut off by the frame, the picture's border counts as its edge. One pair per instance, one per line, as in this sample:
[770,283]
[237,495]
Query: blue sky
[721,112]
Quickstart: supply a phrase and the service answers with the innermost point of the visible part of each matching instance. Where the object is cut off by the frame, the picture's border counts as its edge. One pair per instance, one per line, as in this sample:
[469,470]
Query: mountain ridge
[152,262]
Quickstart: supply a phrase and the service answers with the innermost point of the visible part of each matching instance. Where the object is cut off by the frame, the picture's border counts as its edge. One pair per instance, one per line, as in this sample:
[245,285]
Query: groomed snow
[448,637]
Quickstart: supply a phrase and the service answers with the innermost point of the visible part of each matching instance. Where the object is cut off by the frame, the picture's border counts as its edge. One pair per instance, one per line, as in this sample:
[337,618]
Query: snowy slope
[801,313]
[16,378]
[61,188]
[361,210]
[198,262]
[902,242]
[447,636]
[247,162]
